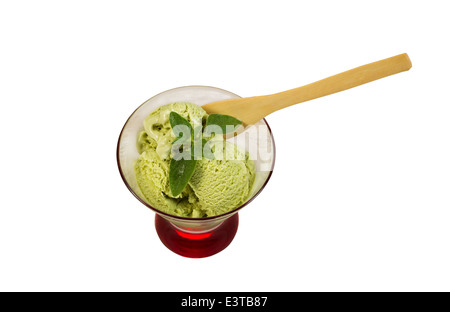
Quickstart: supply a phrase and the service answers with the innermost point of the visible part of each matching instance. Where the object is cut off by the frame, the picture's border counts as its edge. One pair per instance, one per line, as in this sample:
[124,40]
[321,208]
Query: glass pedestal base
[196,245]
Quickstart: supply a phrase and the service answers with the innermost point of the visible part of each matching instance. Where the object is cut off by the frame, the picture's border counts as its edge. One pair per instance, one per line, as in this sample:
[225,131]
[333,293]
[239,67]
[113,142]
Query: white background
[359,199]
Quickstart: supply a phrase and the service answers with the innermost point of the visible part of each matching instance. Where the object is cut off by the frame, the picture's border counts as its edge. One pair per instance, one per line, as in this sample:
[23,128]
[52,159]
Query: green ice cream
[217,186]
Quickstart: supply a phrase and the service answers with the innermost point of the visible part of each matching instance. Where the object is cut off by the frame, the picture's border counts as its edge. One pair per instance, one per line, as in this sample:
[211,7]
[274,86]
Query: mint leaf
[180,172]
[222,121]
[181,150]
[180,140]
[176,120]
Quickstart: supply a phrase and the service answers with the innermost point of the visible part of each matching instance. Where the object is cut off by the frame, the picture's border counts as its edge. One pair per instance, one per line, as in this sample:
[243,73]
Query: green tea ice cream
[217,185]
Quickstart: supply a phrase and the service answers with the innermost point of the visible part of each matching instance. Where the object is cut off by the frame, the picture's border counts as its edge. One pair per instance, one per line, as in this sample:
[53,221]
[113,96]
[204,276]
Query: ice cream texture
[217,185]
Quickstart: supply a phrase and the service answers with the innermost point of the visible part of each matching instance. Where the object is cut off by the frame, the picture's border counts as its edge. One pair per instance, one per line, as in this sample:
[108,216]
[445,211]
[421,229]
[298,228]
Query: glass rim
[156,210]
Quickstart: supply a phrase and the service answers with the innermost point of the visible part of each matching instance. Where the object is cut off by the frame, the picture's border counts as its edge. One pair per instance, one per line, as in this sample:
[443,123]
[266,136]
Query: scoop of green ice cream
[222,185]
[158,129]
[216,186]
[152,175]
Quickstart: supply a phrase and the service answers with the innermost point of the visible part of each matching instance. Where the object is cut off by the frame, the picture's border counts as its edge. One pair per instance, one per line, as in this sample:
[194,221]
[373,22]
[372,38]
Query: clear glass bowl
[196,237]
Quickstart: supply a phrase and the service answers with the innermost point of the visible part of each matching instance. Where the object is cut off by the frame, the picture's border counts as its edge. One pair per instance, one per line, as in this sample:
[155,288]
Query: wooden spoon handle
[340,82]
[255,108]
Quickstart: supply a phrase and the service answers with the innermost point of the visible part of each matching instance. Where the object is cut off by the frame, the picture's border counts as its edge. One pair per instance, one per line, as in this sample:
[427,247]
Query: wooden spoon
[252,109]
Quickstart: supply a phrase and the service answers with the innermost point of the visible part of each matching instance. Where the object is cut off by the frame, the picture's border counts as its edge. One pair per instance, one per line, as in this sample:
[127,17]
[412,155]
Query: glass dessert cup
[196,237]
